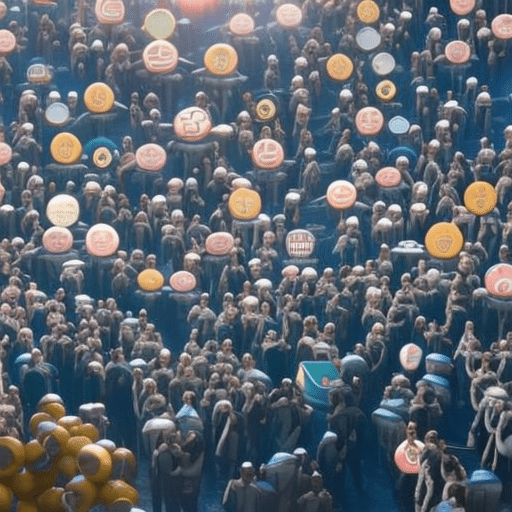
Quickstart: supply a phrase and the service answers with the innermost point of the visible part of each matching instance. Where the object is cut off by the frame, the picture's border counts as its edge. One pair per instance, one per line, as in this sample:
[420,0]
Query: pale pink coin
[109,12]
[5,153]
[300,243]
[289,16]
[241,24]
[457,52]
[57,240]
[7,42]
[182,281]
[151,157]
[101,240]
[498,281]
[219,244]
[501,26]
[160,56]
[341,194]
[407,457]
[388,177]
[462,7]
[410,357]
[369,121]
[192,124]
[267,154]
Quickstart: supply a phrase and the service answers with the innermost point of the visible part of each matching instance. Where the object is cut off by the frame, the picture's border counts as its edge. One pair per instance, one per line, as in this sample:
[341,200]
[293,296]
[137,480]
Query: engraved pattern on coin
[267,154]
[182,281]
[57,240]
[63,210]
[160,57]
[244,204]
[498,281]
[192,124]
[102,240]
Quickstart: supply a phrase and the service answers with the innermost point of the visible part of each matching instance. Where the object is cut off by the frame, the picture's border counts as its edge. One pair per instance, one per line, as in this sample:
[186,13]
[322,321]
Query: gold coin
[221,59]
[266,110]
[99,98]
[385,90]
[368,11]
[339,67]
[150,280]
[244,204]
[480,198]
[444,240]
[65,148]
[102,157]
[160,23]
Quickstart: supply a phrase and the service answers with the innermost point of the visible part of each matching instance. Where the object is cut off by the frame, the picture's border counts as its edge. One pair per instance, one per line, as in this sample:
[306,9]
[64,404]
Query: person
[242,494]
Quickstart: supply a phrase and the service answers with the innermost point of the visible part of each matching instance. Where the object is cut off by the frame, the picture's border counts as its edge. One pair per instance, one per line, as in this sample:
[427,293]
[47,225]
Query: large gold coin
[385,90]
[102,157]
[444,240]
[368,11]
[339,67]
[480,198]
[150,280]
[266,109]
[65,148]
[244,204]
[221,59]
[99,98]
[160,23]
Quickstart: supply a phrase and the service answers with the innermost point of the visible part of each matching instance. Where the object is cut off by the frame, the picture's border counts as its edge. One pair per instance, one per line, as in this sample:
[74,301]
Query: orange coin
[498,281]
[368,11]
[221,59]
[407,457]
[341,194]
[480,198]
[151,157]
[7,42]
[289,16]
[462,7]
[192,124]
[65,148]
[150,280]
[99,98]
[267,154]
[219,244]
[160,57]
[244,204]
[339,67]
[241,24]
[369,121]
[388,177]
[182,281]
[109,12]
[457,52]
[57,240]
[501,26]
[444,240]
[101,240]
[5,153]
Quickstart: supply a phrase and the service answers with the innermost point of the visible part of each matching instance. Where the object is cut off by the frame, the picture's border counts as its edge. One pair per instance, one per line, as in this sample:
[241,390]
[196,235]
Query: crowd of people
[214,364]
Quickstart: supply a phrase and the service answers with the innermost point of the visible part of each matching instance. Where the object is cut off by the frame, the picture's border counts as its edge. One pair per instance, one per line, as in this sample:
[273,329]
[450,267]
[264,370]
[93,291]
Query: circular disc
[444,240]
[244,204]
[160,57]
[289,16]
[300,243]
[7,42]
[498,281]
[99,98]
[182,281]
[219,244]
[151,157]
[5,153]
[410,357]
[192,124]
[241,24]
[457,52]
[65,148]
[101,240]
[160,23]
[368,11]
[341,194]
[266,109]
[407,457]
[57,114]
[150,280]
[339,67]
[102,157]
[398,125]
[385,90]
[63,210]
[480,198]
[267,154]
[383,63]
[369,121]
[57,240]
[462,7]
[221,59]
[39,74]
[501,26]
[388,177]
[368,39]
[109,12]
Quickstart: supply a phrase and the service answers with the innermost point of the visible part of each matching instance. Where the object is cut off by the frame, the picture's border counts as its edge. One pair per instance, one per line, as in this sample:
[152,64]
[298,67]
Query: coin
[339,67]
[267,154]
[383,63]
[101,240]
[407,457]
[183,281]
[341,194]
[57,114]
[289,16]
[39,73]
[160,57]
[498,281]
[150,280]
[410,357]
[462,7]
[480,198]
[457,52]
[151,157]
[57,240]
[7,42]
[398,125]
[219,244]
[444,240]
[300,243]
[501,26]
[3,10]
[221,59]
[368,39]
[109,12]
[5,153]
[368,11]
[385,90]
[192,124]
[266,109]
[63,210]
[65,148]
[102,157]
[160,23]
[369,121]
[244,204]
[241,24]
[99,98]
[388,177]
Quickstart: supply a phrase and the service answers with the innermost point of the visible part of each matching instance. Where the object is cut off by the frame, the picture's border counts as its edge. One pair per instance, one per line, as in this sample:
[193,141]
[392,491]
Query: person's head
[247,472]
